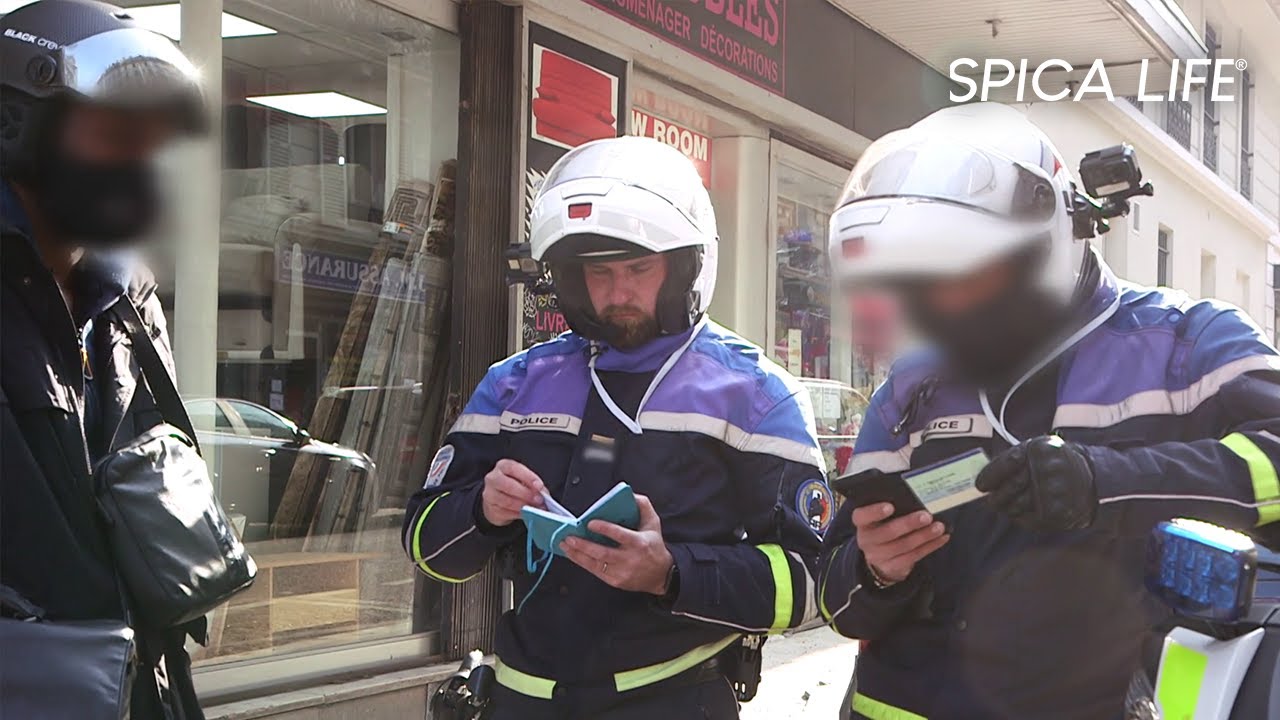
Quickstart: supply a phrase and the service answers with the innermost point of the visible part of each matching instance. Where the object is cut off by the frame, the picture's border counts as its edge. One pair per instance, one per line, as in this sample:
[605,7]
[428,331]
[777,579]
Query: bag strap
[154,370]
[15,602]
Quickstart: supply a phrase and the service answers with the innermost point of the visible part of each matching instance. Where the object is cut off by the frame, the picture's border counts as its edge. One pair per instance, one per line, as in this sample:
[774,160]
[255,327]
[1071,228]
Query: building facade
[336,255]
[1213,227]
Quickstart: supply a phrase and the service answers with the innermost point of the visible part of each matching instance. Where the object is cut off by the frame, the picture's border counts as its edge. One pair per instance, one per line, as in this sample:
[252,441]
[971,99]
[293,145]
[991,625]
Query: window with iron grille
[1177,121]
[1134,101]
[1246,135]
[1162,257]
[1210,150]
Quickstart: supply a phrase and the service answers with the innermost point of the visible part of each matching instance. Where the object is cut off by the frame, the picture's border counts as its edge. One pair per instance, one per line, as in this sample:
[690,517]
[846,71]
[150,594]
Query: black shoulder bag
[173,545]
[80,669]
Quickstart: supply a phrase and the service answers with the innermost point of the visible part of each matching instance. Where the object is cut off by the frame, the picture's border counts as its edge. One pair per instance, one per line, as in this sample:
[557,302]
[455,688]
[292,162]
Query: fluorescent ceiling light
[167,20]
[319,104]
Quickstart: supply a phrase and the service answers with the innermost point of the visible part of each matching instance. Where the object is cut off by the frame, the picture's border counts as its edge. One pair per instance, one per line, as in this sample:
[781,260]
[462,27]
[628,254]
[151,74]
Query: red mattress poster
[572,102]
[576,95]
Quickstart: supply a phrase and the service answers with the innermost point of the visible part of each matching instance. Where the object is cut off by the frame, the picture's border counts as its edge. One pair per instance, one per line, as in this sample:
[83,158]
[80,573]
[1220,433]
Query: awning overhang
[1120,33]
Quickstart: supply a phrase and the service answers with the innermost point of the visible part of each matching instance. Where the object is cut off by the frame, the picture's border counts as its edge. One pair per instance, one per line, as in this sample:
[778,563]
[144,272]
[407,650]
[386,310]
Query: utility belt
[736,658]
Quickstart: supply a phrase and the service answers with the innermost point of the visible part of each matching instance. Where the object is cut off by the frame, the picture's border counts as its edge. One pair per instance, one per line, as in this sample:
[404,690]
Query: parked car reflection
[252,450]
[838,410]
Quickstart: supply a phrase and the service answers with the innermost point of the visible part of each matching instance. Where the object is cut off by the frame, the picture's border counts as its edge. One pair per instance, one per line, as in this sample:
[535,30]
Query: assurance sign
[745,37]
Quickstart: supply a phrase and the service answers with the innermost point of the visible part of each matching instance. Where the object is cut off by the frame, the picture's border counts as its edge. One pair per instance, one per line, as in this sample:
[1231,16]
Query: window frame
[1164,255]
[796,159]
[1212,126]
[1246,134]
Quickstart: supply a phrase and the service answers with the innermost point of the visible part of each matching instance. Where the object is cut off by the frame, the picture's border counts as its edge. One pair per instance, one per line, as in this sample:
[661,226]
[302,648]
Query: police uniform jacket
[727,454]
[1176,402]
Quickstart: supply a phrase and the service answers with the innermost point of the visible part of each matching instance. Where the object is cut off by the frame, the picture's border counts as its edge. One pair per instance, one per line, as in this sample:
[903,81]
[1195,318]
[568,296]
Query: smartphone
[870,488]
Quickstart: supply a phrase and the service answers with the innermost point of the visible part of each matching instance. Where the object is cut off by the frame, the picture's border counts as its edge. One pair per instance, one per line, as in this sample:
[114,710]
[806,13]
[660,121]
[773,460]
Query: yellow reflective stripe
[640,677]
[1266,486]
[523,683]
[417,546]
[877,710]
[1181,678]
[822,591]
[782,589]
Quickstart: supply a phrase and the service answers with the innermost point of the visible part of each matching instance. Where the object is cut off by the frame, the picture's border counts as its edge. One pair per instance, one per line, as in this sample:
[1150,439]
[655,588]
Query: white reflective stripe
[846,604]
[556,422]
[476,423]
[732,435]
[755,631]
[810,603]
[1161,402]
[886,461]
[445,546]
[1198,498]
[974,425]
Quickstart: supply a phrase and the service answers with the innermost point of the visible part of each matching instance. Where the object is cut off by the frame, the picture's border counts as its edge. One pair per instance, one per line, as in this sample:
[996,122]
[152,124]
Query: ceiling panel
[939,32]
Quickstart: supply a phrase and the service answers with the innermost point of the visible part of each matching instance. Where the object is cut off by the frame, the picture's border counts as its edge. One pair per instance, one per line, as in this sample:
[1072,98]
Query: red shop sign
[745,37]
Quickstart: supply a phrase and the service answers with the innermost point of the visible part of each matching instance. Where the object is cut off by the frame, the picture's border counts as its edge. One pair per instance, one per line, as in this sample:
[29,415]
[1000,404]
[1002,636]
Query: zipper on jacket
[922,394]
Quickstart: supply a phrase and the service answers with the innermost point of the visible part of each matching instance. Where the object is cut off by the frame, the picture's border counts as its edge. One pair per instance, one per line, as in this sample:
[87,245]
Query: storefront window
[840,347]
[337,116]
[803,328]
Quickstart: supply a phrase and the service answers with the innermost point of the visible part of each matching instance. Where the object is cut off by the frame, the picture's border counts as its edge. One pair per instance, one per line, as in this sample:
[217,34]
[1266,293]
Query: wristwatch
[672,586]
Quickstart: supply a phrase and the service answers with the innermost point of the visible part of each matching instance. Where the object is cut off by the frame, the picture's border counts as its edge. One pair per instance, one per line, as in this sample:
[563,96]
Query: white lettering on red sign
[694,145]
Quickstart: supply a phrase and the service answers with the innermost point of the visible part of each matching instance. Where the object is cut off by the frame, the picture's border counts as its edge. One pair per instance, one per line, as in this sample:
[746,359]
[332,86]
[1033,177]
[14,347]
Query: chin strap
[633,424]
[997,421]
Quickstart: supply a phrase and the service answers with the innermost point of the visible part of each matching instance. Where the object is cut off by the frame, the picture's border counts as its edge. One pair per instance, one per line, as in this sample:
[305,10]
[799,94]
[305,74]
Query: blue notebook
[617,506]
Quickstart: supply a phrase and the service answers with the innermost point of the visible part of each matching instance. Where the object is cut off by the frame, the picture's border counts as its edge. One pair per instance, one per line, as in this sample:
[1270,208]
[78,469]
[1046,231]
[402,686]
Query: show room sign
[695,145]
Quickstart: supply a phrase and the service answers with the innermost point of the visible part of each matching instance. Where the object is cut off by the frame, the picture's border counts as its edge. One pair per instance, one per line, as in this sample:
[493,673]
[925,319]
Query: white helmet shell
[961,188]
[625,196]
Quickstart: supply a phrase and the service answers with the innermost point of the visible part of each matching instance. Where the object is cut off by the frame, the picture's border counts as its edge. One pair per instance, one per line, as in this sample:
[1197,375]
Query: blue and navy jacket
[1175,401]
[728,456]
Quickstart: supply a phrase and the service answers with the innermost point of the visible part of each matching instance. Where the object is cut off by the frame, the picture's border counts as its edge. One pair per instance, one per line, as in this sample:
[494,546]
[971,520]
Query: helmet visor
[945,170]
[136,68]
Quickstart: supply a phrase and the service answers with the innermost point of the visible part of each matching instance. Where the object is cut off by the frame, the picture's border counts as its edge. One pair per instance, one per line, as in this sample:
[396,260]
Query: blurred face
[624,294]
[96,186]
[109,136]
[990,323]
[958,296]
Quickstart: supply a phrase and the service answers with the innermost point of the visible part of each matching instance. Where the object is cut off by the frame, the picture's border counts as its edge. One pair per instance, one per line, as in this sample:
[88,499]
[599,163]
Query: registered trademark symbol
[1241,65]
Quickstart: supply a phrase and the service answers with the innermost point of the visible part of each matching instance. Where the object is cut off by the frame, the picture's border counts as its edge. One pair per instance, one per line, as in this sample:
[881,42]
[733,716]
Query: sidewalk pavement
[805,676]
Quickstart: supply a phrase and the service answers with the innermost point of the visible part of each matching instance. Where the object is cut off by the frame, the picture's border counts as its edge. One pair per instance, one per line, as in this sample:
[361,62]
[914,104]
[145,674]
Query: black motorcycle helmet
[54,53]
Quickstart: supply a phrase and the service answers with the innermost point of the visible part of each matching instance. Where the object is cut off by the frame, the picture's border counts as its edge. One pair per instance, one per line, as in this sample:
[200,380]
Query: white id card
[948,483]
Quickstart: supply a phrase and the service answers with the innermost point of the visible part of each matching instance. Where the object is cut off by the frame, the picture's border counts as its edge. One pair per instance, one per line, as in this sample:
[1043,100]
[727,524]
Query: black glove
[1042,484]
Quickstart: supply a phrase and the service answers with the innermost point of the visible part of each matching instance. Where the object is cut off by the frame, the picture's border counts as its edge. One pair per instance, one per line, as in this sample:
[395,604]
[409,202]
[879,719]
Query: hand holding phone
[892,543]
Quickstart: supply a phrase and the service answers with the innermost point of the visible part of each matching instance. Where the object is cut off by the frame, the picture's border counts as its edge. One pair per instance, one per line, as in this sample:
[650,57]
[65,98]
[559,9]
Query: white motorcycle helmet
[621,198]
[962,188]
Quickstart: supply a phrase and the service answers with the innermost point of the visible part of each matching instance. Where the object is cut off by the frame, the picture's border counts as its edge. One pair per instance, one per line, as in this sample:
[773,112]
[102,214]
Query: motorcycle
[1220,660]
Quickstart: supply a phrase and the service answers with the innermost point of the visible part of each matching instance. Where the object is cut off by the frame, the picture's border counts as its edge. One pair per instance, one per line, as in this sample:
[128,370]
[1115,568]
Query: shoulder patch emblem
[439,466]
[815,504]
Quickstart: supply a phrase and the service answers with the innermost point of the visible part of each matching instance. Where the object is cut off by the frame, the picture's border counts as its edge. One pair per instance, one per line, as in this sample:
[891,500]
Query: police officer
[88,100]
[1105,406]
[717,442]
